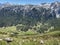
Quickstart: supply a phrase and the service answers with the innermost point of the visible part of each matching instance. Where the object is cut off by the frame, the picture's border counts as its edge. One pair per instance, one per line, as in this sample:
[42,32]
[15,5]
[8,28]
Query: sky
[28,1]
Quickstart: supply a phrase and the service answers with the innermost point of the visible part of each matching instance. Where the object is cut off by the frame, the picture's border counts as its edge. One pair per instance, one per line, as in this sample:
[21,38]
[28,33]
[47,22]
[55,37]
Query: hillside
[28,14]
[30,24]
[47,14]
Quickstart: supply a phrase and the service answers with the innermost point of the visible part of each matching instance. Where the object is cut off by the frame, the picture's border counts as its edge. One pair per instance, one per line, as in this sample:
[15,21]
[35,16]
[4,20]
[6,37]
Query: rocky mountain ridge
[28,13]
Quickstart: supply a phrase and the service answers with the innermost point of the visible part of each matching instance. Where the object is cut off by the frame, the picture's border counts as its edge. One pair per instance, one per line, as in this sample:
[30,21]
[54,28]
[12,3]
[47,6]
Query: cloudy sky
[27,1]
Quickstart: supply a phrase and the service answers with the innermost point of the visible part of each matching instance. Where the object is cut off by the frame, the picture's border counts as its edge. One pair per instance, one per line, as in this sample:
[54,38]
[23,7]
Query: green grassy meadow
[28,38]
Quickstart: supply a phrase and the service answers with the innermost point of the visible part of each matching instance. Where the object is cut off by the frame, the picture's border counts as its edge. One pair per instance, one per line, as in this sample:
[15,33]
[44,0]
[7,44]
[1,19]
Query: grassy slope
[51,38]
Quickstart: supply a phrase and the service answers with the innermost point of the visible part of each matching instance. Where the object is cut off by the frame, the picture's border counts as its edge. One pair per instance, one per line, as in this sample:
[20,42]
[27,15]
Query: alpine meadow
[30,24]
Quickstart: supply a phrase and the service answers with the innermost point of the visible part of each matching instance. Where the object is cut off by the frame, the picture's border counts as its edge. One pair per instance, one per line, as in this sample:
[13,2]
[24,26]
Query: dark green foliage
[22,27]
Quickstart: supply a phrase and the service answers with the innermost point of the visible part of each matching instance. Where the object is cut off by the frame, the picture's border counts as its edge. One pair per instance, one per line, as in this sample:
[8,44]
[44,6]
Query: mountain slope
[28,14]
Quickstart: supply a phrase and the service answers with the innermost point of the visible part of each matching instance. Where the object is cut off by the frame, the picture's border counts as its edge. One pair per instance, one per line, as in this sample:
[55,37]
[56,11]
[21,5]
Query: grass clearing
[29,37]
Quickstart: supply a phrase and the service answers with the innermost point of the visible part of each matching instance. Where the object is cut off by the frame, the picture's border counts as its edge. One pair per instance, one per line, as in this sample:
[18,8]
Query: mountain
[28,14]
[5,5]
[56,6]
